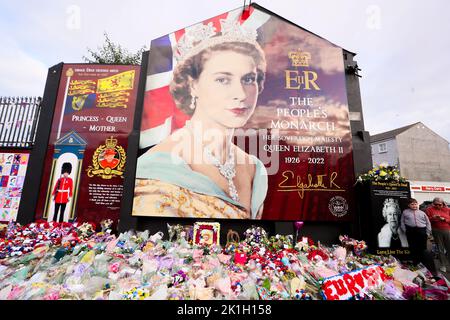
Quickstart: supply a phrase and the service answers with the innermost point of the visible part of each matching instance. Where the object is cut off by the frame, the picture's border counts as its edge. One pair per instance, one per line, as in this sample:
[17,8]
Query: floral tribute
[382,173]
[352,245]
[53,261]
[255,236]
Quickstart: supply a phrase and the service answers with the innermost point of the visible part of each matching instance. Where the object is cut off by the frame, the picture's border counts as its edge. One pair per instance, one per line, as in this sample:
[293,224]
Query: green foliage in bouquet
[382,173]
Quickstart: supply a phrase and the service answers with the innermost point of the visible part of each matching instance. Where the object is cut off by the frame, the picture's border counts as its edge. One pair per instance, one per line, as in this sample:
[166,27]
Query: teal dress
[170,168]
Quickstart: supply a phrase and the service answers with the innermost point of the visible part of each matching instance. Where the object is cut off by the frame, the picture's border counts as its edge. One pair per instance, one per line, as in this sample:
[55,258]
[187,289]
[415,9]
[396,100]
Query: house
[422,156]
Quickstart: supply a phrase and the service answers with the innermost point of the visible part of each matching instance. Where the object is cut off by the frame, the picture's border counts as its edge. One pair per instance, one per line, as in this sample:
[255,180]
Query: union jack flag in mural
[160,115]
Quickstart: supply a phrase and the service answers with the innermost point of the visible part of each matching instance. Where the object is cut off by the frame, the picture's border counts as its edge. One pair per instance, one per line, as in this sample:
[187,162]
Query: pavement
[438,265]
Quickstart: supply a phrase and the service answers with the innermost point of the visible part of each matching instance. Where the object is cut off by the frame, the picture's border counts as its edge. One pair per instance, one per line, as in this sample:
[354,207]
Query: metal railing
[19,117]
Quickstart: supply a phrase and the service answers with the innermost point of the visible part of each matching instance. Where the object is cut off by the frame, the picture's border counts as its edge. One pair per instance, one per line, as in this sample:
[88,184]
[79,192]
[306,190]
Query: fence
[18,121]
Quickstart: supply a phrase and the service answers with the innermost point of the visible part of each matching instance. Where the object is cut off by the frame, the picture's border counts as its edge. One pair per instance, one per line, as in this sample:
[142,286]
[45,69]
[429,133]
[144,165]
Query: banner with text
[86,155]
[388,200]
[358,282]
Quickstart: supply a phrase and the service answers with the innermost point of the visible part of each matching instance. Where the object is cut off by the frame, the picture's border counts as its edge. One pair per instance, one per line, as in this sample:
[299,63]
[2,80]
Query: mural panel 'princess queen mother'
[217,98]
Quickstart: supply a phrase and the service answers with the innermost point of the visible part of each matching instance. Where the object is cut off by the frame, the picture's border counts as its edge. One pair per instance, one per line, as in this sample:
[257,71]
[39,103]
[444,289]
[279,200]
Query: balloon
[298,225]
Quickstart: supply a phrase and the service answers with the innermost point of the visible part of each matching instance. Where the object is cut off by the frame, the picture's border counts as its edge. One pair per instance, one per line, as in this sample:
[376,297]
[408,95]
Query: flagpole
[69,74]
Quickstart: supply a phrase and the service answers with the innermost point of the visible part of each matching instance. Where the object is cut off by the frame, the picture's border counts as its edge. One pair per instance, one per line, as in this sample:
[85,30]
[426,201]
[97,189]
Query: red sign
[348,285]
[433,189]
[87,146]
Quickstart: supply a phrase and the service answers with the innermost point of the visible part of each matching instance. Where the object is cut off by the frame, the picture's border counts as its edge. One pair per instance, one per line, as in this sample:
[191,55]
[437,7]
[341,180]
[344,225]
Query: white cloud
[22,75]
[404,60]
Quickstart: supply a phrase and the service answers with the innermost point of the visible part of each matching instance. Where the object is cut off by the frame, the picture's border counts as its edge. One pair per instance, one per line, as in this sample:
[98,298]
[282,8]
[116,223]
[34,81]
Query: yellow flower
[382,173]
[389,271]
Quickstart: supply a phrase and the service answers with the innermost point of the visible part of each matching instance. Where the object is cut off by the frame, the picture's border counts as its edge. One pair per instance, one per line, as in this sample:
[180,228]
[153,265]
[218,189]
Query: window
[382,148]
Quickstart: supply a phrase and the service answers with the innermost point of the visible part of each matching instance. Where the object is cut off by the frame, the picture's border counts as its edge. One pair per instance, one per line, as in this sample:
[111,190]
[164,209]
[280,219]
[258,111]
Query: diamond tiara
[390,201]
[202,36]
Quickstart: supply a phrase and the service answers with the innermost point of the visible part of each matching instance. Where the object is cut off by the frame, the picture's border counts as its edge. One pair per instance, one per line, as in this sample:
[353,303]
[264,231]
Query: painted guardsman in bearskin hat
[63,191]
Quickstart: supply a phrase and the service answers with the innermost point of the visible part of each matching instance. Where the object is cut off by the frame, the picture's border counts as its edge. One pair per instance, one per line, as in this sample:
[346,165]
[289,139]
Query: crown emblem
[202,36]
[390,202]
[111,143]
[69,72]
[105,167]
[300,58]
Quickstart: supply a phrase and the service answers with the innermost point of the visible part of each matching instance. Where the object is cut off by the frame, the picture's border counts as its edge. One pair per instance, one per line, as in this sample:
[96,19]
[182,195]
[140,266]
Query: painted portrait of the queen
[197,171]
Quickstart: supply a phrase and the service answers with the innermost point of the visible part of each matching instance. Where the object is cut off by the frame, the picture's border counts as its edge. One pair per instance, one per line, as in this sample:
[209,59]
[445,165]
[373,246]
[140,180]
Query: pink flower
[114,267]
[52,296]
[15,293]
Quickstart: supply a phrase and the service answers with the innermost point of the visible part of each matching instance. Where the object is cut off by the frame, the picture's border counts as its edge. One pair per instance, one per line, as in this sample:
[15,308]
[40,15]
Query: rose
[114,267]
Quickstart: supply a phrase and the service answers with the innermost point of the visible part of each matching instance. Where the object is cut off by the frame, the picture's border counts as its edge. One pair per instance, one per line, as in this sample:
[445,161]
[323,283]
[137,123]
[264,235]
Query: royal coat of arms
[108,160]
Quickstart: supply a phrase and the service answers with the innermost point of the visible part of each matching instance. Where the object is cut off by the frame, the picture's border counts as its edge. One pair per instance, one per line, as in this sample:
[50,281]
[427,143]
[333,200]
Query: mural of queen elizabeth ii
[198,171]
[245,118]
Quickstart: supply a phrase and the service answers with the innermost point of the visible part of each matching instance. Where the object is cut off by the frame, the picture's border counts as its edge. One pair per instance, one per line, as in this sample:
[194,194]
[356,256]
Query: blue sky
[402,46]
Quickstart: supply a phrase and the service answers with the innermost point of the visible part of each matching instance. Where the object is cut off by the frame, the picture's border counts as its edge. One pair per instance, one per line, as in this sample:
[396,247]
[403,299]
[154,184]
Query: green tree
[111,53]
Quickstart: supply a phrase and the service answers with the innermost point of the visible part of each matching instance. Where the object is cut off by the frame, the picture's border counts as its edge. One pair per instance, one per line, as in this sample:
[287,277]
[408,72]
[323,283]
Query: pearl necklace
[228,170]
[394,234]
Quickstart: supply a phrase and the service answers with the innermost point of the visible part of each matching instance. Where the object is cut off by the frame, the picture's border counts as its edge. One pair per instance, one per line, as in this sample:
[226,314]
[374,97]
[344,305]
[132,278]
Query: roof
[390,134]
[257,6]
[261,8]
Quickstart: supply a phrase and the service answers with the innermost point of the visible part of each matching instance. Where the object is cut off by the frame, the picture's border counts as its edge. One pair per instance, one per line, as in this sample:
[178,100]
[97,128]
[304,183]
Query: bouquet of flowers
[106,225]
[85,230]
[384,173]
[280,242]
[352,245]
[255,235]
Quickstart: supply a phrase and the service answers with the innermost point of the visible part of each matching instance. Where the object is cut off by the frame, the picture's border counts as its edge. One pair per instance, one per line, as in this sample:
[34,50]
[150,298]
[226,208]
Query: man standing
[417,227]
[62,192]
[439,216]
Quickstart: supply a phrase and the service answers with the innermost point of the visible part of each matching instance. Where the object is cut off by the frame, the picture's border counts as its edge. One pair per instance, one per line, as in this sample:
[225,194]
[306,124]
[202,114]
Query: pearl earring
[193,102]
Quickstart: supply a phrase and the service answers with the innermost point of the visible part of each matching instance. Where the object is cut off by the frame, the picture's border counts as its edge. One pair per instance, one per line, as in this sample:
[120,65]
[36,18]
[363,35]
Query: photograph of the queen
[198,171]
[391,235]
